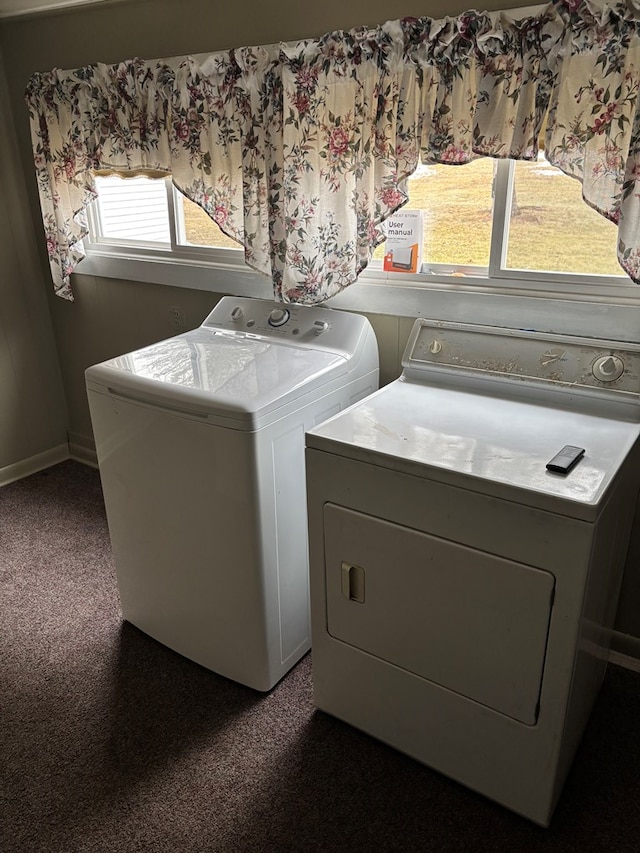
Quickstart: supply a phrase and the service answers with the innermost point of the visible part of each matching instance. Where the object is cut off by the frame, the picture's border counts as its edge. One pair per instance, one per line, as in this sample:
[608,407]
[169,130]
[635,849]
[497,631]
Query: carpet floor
[111,742]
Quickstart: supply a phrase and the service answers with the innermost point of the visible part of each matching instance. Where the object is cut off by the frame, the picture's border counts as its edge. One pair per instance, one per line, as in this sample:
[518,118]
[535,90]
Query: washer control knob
[279,316]
[435,347]
[608,368]
[320,326]
[237,313]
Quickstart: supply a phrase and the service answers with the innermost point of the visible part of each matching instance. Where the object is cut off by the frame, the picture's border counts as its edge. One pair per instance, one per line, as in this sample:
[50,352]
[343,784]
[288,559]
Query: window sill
[606,312]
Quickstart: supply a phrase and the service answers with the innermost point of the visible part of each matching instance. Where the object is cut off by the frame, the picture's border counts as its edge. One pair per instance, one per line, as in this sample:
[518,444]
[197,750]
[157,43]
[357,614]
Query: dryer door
[470,621]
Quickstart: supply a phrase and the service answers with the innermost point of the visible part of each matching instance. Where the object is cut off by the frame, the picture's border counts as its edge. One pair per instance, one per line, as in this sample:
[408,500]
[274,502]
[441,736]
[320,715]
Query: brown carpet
[111,742]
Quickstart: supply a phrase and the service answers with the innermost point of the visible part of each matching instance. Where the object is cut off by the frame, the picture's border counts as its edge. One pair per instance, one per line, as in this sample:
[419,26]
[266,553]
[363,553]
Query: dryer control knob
[320,326]
[279,316]
[435,347]
[608,368]
[237,313]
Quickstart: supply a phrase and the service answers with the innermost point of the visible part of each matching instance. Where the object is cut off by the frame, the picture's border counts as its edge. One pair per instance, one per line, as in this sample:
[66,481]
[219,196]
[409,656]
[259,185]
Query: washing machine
[463,583]
[200,446]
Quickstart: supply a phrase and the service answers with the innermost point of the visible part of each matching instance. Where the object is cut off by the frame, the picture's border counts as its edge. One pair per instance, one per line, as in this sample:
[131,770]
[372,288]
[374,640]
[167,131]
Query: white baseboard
[33,464]
[625,650]
[82,448]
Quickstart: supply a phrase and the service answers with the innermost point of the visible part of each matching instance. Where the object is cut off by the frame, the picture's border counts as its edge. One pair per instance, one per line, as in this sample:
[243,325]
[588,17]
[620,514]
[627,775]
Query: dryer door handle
[352,579]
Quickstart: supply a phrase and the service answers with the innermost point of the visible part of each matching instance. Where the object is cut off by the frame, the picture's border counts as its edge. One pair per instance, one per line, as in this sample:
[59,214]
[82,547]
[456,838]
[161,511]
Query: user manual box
[403,246]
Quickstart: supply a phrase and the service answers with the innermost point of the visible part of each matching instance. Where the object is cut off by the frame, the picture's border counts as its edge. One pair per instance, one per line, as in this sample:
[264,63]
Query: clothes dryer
[463,594]
[200,445]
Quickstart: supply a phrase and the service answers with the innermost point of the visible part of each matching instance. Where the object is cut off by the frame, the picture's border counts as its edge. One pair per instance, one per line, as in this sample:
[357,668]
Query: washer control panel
[302,325]
[278,317]
[523,355]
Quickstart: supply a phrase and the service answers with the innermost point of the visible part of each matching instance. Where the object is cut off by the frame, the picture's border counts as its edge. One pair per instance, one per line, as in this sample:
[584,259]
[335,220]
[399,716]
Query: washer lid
[483,443]
[218,373]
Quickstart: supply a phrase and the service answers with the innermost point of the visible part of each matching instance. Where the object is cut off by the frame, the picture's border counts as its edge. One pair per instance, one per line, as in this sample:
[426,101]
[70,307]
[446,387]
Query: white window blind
[133,210]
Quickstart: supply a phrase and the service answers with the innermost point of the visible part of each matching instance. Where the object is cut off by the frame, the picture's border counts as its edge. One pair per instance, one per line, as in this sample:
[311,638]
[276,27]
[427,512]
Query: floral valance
[300,151]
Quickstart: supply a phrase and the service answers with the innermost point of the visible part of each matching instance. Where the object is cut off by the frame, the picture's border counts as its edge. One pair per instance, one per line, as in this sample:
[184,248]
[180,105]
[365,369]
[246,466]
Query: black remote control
[564,461]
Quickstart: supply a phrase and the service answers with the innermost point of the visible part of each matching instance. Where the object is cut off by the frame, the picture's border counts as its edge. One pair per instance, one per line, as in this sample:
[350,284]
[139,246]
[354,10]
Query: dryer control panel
[524,357]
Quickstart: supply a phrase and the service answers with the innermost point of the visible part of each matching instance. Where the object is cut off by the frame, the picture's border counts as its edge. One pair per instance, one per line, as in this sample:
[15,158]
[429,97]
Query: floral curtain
[300,151]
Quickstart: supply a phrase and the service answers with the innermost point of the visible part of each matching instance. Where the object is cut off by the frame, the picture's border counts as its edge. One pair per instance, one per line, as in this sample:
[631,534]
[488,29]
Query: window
[550,227]
[507,228]
[141,211]
[518,219]
[540,224]
[457,207]
[196,228]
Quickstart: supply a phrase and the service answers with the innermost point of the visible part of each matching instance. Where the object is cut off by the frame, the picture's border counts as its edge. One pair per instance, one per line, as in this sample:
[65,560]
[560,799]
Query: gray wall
[33,418]
[110,316]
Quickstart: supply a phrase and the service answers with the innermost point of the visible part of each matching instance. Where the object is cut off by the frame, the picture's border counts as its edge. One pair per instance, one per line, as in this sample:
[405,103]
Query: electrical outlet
[177,318]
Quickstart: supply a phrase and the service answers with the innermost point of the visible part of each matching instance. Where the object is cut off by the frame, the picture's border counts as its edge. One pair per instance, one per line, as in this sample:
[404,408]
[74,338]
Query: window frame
[591,305]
